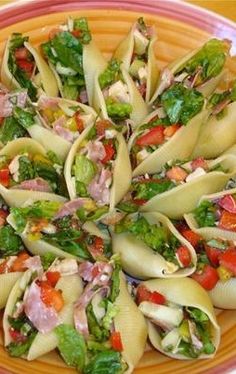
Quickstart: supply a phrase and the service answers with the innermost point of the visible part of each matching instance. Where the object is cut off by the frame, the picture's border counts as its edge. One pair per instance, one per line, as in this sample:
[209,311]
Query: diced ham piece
[99,187]
[228,203]
[199,162]
[37,184]
[34,264]
[177,174]
[96,150]
[85,271]
[167,78]
[70,208]
[44,318]
[8,101]
[45,102]
[59,129]
[83,97]
[67,266]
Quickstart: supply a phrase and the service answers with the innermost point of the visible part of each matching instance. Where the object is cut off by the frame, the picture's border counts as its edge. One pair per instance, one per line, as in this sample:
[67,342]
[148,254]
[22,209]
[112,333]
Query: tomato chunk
[76,33]
[18,264]
[143,294]
[228,221]
[154,136]
[27,66]
[53,277]
[110,151]
[5,177]
[207,277]
[228,203]
[171,130]
[79,122]
[21,53]
[17,336]
[177,174]
[192,237]
[199,162]
[3,216]
[102,125]
[50,296]
[213,254]
[184,256]
[228,259]
[115,341]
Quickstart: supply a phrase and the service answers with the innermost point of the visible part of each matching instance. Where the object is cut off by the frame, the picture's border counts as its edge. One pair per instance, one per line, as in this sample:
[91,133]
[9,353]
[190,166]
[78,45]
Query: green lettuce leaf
[24,117]
[204,214]
[148,190]
[117,110]
[71,346]
[10,243]
[84,169]
[107,362]
[111,74]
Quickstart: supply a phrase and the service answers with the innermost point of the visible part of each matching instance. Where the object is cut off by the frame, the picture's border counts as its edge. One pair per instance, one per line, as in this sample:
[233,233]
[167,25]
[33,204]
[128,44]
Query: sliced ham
[67,266]
[220,106]
[9,100]
[37,184]
[99,188]
[96,150]
[228,203]
[44,318]
[85,270]
[34,263]
[45,102]
[83,97]
[70,208]
[59,129]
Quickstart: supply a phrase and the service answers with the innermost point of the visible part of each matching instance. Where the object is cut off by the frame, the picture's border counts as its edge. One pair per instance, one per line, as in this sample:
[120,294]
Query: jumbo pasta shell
[140,261]
[131,324]
[187,196]
[7,282]
[121,169]
[223,294]
[140,109]
[180,145]
[48,81]
[184,292]
[17,197]
[71,287]
[217,135]
[211,232]
[124,53]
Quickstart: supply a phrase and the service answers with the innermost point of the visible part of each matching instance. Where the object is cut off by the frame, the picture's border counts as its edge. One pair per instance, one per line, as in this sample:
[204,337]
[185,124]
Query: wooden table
[226,8]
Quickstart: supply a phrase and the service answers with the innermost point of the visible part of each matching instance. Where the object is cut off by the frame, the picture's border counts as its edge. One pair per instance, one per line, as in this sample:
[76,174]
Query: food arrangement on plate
[111,169]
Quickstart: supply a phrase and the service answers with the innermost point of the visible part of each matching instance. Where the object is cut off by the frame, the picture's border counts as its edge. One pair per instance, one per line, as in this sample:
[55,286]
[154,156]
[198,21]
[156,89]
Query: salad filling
[64,51]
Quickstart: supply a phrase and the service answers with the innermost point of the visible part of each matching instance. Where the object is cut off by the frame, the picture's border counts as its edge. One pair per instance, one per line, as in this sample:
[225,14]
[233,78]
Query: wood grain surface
[175,38]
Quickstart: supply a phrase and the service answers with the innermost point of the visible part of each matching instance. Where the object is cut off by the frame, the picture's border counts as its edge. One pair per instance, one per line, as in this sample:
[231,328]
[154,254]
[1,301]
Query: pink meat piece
[9,100]
[37,184]
[70,208]
[34,263]
[44,318]
[59,129]
[45,102]
[96,150]
[228,203]
[99,187]
[83,97]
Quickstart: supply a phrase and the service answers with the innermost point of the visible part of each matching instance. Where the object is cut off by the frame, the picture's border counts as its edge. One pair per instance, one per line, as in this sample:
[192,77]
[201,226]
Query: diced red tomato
[116,342]
[17,336]
[154,136]
[97,248]
[27,66]
[3,216]
[53,277]
[102,125]
[142,89]
[139,202]
[1,120]
[143,294]
[192,237]
[110,151]
[213,254]
[228,259]
[5,177]
[184,256]
[177,174]
[18,264]
[228,221]
[95,271]
[199,162]
[228,203]
[50,296]
[79,122]
[207,277]
[21,53]
[76,33]
[171,130]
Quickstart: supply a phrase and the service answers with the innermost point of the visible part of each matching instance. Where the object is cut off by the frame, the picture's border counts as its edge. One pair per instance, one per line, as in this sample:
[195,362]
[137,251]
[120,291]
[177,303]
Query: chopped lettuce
[198,315]
[10,130]
[71,345]
[111,312]
[127,207]
[181,103]
[211,58]
[18,349]
[26,169]
[10,243]
[47,260]
[100,332]
[84,169]
[117,110]
[24,117]
[150,189]
[115,282]
[204,214]
[81,25]
[107,362]
[111,74]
